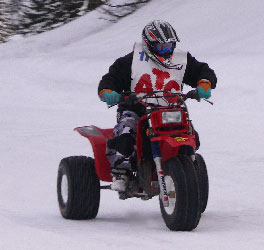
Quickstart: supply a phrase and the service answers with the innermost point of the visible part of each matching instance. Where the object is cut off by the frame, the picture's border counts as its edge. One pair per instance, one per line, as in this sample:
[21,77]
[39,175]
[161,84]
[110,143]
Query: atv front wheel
[183,212]
[78,188]
[203,180]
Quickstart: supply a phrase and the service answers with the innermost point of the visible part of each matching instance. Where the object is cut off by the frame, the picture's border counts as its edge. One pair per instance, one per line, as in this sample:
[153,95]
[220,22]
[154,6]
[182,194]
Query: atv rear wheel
[78,188]
[203,181]
[183,213]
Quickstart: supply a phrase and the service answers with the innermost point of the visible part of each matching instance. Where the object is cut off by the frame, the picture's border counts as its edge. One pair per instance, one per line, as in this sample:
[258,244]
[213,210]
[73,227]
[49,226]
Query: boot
[120,179]
[120,183]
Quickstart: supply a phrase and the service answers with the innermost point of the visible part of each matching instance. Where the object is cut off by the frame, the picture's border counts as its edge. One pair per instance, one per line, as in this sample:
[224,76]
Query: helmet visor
[164,48]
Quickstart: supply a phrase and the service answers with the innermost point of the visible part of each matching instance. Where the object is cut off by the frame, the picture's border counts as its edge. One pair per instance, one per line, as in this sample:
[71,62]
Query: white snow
[48,86]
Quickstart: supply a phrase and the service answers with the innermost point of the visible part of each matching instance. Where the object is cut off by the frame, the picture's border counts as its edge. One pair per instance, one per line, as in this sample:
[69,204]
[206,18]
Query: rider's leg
[121,149]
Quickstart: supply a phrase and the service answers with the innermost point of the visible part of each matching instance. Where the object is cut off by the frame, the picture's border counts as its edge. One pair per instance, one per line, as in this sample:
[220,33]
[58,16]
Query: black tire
[184,214]
[81,197]
[194,200]
[203,181]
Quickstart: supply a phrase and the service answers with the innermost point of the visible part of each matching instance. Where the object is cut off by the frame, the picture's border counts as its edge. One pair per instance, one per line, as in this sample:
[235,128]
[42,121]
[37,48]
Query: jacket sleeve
[196,71]
[119,76]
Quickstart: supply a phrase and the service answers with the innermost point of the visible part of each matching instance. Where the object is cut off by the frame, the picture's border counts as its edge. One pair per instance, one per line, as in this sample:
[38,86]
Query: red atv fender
[98,139]
[170,146]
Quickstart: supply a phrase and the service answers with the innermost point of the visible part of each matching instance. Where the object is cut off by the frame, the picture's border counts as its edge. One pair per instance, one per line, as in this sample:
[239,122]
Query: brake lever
[193,95]
[208,101]
[110,106]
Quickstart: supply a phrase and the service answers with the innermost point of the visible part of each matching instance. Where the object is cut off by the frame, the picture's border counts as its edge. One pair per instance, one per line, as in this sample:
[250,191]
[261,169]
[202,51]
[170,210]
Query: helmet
[159,41]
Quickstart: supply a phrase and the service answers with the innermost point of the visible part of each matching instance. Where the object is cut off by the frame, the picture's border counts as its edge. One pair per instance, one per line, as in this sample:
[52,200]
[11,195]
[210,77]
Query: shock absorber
[157,159]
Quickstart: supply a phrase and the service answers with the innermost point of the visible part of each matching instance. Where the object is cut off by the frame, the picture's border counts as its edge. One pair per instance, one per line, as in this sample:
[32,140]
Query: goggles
[163,48]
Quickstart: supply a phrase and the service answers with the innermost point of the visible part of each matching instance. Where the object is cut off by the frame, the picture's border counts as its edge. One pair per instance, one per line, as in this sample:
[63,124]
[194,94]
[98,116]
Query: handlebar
[131,98]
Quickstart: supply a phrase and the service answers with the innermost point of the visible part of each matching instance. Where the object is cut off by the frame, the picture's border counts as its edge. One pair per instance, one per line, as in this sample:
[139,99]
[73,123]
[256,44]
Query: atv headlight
[171,117]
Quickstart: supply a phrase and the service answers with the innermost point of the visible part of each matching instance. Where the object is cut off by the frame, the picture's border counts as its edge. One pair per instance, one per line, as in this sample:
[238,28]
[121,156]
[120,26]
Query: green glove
[204,94]
[109,96]
[204,89]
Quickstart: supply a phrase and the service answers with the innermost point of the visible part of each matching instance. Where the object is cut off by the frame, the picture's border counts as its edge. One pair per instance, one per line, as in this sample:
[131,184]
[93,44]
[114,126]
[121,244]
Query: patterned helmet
[159,41]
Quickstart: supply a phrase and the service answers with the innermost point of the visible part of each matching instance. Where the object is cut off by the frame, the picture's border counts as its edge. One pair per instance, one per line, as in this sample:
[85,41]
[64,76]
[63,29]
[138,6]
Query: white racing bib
[149,76]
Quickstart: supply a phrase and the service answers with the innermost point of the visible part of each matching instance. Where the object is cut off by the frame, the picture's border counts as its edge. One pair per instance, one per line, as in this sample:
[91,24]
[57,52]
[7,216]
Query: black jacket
[119,76]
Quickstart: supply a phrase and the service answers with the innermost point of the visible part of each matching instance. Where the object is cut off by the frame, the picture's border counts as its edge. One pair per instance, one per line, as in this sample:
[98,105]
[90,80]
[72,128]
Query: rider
[167,69]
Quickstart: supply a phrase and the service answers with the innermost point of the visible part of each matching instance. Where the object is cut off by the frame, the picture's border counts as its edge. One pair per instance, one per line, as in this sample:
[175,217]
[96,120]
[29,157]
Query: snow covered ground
[48,86]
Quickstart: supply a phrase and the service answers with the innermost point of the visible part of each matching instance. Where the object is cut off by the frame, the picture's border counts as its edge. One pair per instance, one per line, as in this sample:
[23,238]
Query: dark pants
[121,149]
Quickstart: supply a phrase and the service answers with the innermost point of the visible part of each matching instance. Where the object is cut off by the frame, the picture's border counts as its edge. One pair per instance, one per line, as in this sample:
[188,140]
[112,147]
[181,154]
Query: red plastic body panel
[98,139]
[169,146]
[170,141]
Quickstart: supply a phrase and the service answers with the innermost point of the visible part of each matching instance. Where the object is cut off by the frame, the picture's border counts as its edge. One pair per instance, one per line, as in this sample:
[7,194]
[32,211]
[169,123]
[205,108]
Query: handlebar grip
[193,94]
